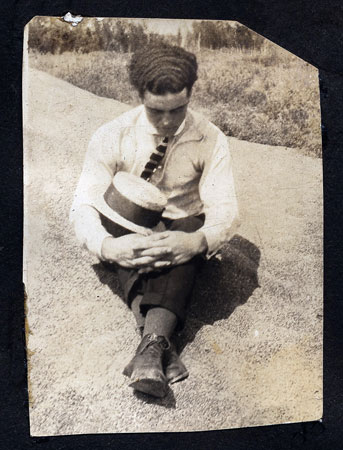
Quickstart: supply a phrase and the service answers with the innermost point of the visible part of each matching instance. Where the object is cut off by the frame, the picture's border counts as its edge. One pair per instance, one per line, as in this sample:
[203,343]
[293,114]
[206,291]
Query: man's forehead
[166,101]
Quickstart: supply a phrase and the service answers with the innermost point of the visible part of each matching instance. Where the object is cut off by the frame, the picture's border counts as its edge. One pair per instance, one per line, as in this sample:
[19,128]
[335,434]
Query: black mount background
[311,30]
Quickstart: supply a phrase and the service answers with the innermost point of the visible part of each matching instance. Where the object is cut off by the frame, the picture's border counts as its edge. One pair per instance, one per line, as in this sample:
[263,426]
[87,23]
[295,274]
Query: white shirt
[195,174]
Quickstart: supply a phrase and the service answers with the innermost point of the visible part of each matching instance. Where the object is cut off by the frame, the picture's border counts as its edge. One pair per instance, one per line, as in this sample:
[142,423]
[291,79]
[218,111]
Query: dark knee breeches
[169,288]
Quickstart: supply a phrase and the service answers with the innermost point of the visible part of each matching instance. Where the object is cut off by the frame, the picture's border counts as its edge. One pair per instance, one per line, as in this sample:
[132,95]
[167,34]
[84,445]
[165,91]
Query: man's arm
[101,163]
[218,195]
[98,169]
[217,192]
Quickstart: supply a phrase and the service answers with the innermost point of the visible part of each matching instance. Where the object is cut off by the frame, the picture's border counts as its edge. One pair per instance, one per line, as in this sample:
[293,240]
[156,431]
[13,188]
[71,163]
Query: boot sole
[156,388]
[182,376]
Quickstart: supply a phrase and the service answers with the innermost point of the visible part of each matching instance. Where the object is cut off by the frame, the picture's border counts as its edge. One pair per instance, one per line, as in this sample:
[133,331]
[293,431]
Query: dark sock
[160,321]
[135,308]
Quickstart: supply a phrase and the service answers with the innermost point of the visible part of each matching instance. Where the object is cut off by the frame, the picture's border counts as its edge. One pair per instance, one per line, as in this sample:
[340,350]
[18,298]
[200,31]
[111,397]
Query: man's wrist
[107,249]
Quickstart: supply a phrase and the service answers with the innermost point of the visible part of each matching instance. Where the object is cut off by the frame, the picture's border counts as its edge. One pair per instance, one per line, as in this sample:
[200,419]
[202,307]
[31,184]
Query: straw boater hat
[131,204]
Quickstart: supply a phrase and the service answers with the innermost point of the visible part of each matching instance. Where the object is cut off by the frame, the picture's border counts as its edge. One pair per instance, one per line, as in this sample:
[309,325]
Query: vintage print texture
[252,341]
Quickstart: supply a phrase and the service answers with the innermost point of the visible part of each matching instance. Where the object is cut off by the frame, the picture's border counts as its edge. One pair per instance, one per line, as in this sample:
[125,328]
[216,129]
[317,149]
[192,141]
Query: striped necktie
[155,158]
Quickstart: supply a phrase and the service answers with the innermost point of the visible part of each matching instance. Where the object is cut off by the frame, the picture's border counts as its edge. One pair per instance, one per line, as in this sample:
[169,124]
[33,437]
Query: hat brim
[98,202]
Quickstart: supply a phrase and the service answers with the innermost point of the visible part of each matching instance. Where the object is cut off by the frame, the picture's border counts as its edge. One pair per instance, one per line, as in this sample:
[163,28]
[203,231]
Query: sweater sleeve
[100,164]
[217,192]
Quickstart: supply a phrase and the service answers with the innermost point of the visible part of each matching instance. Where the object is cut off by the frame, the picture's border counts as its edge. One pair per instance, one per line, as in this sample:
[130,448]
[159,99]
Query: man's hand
[127,251]
[182,246]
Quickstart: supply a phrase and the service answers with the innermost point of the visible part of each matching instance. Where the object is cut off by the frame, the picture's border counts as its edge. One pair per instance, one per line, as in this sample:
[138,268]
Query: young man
[193,170]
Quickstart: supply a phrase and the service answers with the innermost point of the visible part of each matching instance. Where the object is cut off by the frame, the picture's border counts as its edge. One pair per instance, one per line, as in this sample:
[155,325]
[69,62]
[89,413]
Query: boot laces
[163,343]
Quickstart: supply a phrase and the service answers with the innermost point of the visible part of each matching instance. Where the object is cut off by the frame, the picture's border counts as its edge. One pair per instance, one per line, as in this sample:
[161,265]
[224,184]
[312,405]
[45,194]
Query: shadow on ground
[168,401]
[224,283]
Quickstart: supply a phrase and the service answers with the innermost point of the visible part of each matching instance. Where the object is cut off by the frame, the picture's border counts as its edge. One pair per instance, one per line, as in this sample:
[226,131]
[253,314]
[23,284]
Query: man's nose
[166,119]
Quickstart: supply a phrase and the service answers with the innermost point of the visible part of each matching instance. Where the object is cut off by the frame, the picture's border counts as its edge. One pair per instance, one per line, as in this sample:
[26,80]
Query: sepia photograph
[173,227]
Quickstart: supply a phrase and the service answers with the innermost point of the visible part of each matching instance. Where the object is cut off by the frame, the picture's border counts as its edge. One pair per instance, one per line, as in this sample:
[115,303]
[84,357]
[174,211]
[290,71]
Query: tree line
[53,35]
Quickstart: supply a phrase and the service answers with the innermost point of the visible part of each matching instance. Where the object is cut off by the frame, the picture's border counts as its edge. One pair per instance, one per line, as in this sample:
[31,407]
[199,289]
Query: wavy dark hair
[163,68]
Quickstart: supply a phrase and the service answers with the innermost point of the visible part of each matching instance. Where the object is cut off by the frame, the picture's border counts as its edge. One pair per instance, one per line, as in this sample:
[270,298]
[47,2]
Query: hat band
[129,210]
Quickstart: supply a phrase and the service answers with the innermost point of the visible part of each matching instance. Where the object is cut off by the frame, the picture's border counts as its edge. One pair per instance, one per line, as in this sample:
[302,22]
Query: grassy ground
[253,337]
[268,96]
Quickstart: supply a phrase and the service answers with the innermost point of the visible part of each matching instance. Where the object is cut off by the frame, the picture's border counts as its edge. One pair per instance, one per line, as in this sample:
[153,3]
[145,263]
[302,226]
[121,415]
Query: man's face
[166,112]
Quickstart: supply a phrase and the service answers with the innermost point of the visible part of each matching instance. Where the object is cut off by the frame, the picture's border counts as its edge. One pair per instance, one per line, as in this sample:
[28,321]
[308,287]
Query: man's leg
[136,310]
[172,288]
[169,288]
[160,321]
[165,297]
[131,283]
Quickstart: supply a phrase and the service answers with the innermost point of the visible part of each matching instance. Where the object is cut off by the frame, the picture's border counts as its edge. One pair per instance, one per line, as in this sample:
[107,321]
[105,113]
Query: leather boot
[146,369]
[175,369]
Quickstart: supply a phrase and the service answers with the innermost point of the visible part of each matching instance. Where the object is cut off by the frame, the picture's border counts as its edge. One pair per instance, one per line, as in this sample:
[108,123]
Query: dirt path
[253,339]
